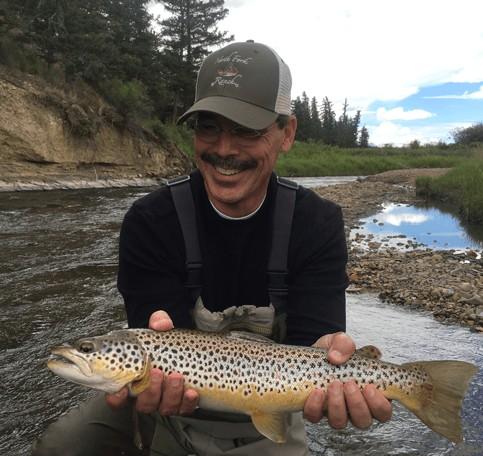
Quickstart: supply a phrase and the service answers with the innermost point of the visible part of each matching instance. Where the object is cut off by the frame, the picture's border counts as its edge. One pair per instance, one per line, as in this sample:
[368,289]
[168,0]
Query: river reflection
[427,227]
[58,267]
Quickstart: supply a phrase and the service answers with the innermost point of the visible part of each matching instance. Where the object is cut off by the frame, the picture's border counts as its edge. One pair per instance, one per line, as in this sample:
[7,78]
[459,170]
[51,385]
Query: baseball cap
[246,82]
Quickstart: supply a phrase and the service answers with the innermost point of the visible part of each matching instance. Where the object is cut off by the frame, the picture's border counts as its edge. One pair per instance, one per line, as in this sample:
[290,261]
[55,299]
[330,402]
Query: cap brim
[238,111]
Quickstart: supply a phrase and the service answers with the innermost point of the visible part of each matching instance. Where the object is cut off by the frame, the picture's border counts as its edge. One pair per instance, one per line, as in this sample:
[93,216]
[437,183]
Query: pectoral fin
[271,425]
[142,383]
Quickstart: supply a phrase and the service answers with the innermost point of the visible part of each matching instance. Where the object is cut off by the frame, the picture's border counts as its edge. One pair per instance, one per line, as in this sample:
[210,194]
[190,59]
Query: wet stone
[444,282]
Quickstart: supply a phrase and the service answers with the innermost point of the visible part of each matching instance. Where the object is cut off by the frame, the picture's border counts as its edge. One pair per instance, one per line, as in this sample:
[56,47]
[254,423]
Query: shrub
[129,98]
[469,135]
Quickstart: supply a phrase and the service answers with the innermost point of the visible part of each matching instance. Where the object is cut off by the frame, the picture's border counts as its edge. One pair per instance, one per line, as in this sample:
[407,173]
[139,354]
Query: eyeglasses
[210,131]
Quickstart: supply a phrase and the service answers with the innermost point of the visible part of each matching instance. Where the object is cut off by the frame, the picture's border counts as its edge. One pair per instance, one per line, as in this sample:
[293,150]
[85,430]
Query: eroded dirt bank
[69,137]
[447,284]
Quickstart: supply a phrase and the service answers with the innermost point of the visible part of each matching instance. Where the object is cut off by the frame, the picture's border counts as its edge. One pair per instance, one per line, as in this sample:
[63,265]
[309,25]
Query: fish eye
[86,347]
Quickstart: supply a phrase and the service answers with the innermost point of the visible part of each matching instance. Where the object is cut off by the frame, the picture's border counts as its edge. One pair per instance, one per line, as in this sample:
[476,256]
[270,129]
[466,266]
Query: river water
[58,282]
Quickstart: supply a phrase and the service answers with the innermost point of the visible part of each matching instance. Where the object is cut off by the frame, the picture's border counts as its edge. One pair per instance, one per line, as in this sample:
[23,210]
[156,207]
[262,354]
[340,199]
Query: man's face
[236,163]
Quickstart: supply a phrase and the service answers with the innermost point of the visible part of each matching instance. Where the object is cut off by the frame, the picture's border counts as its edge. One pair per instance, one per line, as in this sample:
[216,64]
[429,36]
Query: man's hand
[345,401]
[165,393]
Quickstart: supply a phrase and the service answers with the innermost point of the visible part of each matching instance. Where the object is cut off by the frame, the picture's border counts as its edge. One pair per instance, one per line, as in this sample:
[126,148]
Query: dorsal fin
[369,351]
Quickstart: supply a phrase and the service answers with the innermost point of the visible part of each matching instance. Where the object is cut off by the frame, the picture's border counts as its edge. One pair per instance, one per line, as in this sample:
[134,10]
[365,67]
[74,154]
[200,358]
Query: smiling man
[230,247]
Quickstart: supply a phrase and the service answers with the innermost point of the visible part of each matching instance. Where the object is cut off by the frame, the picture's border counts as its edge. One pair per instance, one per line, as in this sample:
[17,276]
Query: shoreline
[446,283]
[77,184]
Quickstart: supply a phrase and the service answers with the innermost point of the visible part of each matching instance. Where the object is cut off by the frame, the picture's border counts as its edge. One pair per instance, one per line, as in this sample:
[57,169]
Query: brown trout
[244,373]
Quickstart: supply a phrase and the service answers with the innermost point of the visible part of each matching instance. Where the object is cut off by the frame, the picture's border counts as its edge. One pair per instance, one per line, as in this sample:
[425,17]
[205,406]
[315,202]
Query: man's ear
[289,133]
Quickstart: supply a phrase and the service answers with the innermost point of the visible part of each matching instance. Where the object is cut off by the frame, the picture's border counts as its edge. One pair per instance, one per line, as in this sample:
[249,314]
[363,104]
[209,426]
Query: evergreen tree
[355,122]
[347,127]
[301,110]
[315,123]
[328,133]
[187,36]
[364,137]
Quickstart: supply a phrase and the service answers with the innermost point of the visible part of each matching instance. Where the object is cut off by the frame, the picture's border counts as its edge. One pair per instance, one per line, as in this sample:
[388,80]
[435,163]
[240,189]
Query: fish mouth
[67,357]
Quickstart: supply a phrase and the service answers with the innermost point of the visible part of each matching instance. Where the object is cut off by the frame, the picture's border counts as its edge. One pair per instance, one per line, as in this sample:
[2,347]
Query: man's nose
[225,144]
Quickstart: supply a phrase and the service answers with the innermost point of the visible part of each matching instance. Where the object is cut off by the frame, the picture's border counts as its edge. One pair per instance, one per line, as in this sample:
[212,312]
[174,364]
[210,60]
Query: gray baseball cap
[247,83]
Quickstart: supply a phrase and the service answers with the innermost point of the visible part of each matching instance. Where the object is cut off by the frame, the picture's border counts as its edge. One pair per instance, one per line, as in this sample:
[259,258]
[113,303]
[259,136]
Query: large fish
[243,373]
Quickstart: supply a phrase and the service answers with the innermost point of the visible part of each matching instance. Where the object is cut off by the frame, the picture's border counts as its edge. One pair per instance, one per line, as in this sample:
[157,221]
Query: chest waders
[268,321]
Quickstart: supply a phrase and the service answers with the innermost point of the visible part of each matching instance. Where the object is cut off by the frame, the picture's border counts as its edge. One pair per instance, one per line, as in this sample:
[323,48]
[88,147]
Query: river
[58,282]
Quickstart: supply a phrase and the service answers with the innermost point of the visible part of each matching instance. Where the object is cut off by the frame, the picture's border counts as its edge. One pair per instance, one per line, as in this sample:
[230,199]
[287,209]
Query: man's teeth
[227,172]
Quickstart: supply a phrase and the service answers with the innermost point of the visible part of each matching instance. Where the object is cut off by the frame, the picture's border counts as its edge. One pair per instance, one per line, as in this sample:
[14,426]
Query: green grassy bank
[320,160]
[461,187]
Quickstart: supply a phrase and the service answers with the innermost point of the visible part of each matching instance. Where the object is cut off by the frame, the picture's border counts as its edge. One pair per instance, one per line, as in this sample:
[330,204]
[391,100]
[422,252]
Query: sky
[414,68]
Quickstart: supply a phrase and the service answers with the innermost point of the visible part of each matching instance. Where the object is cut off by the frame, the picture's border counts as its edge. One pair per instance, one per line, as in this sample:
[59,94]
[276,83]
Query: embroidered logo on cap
[228,70]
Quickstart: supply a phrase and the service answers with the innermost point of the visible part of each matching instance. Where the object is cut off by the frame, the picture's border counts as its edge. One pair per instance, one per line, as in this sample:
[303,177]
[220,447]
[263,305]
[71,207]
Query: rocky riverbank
[443,282]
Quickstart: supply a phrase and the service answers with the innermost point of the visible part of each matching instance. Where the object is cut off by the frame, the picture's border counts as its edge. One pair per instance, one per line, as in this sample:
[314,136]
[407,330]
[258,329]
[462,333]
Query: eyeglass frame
[281,121]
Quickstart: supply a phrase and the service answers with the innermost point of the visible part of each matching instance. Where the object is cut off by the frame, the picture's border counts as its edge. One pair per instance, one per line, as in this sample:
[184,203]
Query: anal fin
[272,425]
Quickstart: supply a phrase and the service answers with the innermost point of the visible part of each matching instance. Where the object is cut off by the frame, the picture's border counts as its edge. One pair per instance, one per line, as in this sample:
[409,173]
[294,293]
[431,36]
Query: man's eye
[246,132]
[207,128]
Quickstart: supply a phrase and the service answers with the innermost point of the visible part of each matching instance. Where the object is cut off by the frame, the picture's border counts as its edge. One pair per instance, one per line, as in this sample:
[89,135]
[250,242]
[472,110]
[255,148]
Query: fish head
[106,363]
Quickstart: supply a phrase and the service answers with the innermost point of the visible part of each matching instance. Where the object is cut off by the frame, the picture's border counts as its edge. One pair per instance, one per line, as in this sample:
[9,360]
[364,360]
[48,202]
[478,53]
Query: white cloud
[400,114]
[388,132]
[478,95]
[392,215]
[365,51]
[399,219]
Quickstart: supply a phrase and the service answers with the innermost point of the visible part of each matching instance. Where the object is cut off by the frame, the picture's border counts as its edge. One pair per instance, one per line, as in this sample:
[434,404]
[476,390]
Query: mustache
[229,162]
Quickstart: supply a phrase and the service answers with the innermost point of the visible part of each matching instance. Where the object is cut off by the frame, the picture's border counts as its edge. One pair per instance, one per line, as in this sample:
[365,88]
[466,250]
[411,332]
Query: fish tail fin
[438,404]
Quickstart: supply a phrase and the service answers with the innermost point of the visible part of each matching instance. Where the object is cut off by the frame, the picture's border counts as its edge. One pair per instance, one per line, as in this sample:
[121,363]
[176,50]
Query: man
[242,122]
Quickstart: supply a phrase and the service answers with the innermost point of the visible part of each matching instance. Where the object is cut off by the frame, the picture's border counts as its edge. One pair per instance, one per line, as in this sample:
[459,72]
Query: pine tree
[187,36]
[301,110]
[364,137]
[347,127]
[328,122]
[315,123]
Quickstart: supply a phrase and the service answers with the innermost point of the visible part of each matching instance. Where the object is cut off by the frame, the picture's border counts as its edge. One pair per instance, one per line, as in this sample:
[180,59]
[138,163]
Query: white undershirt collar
[244,217]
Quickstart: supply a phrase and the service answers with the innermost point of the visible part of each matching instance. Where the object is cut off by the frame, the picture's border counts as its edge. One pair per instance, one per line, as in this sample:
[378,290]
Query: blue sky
[430,115]
[389,58]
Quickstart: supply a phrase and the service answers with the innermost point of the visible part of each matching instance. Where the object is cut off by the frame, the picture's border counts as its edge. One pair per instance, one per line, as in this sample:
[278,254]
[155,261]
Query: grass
[306,159]
[461,187]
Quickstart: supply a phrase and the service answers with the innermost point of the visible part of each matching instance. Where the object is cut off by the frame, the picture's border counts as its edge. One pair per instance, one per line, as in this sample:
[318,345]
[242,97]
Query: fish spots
[245,368]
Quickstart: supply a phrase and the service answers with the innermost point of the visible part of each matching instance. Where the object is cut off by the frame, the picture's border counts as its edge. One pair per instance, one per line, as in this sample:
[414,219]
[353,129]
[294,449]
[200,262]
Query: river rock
[446,283]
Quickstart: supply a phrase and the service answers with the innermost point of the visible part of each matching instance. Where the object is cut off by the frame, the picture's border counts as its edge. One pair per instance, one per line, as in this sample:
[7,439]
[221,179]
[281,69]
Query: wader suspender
[185,209]
[282,225]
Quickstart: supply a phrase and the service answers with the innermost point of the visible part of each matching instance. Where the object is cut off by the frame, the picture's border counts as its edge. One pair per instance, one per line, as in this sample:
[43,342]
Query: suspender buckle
[277,282]
[287,183]
[193,275]
[177,180]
